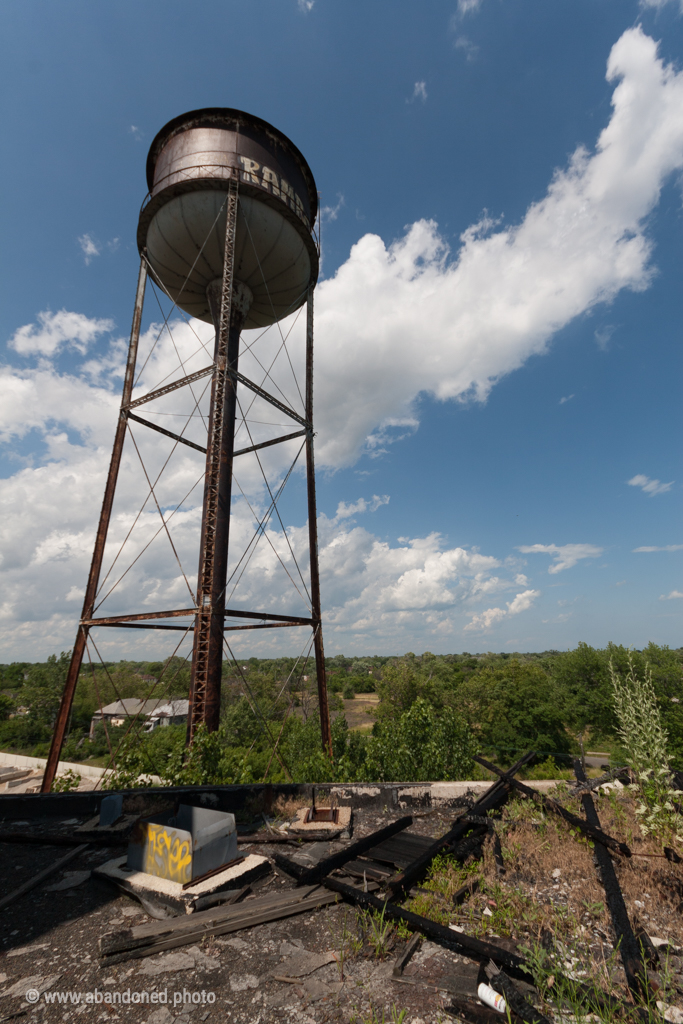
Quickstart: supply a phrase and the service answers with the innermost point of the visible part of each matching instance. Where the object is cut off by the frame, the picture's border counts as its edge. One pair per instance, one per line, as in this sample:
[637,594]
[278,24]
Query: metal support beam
[173,386]
[325,728]
[166,433]
[100,541]
[207,655]
[239,378]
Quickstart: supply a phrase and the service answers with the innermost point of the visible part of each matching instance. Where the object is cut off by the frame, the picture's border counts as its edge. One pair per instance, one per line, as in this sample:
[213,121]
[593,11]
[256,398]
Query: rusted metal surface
[190,163]
[243,175]
[269,616]
[173,386]
[325,726]
[100,541]
[268,444]
[166,433]
[215,137]
[109,620]
[239,378]
[207,657]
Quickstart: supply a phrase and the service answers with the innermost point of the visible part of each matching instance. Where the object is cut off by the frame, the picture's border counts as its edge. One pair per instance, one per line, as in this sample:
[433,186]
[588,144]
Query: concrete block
[172,893]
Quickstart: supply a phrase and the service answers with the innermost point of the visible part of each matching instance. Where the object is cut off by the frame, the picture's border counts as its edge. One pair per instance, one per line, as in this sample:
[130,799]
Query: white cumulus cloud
[672,596]
[420,91]
[565,555]
[55,331]
[649,486]
[492,616]
[480,313]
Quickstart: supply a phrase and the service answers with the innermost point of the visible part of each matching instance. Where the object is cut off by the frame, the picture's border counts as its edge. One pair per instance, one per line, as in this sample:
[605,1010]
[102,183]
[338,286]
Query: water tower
[227,233]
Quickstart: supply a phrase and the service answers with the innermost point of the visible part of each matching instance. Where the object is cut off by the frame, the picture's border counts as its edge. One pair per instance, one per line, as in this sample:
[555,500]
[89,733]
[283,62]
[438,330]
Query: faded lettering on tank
[269,181]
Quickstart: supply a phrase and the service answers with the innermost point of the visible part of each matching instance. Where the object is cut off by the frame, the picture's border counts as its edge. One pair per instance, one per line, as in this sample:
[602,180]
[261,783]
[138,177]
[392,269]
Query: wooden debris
[626,941]
[61,839]
[493,798]
[225,898]
[592,831]
[498,855]
[472,1012]
[406,956]
[42,875]
[400,850]
[367,869]
[459,942]
[147,939]
[518,1003]
[307,876]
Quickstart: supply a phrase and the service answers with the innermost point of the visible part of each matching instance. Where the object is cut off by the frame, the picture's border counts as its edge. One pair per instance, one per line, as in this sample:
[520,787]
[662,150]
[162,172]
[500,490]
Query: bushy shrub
[423,745]
[644,740]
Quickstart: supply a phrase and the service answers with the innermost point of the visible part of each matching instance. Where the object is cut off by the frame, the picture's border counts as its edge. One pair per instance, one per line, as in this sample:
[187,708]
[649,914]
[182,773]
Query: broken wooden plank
[498,855]
[407,954]
[244,916]
[473,1012]
[367,869]
[151,931]
[401,850]
[227,896]
[459,942]
[42,875]
[307,876]
[594,833]
[636,975]
[493,798]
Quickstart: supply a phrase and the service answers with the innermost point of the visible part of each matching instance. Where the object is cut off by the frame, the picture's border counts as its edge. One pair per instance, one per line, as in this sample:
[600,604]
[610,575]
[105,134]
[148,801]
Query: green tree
[513,706]
[423,745]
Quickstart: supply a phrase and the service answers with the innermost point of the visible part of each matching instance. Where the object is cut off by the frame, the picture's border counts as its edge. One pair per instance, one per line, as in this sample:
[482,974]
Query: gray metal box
[183,845]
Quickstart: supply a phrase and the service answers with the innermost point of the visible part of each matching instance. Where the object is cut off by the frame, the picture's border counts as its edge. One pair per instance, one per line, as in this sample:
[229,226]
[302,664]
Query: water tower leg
[321,674]
[229,304]
[101,539]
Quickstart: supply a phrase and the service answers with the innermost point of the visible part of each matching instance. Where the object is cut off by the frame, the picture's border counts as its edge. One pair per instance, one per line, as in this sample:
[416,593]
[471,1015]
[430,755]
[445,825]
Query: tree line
[433,712]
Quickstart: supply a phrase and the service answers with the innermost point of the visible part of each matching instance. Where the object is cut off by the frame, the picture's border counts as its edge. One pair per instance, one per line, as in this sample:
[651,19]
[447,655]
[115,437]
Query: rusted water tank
[182,222]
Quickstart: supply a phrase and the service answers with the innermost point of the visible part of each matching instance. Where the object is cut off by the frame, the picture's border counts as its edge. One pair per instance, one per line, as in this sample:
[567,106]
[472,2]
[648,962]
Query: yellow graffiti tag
[167,855]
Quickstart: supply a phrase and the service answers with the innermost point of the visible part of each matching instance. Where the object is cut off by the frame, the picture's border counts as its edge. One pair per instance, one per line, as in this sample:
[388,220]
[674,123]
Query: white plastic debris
[490,997]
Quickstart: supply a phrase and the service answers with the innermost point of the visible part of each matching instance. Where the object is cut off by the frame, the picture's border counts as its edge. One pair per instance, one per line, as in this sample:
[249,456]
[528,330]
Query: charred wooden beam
[517,1002]
[627,943]
[459,942]
[309,876]
[493,798]
[592,831]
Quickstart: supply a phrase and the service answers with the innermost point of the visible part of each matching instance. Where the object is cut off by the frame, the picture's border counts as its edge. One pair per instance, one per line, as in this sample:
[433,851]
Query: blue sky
[498,318]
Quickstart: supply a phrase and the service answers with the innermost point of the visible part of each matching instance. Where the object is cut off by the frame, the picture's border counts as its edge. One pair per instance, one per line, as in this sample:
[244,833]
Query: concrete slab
[172,893]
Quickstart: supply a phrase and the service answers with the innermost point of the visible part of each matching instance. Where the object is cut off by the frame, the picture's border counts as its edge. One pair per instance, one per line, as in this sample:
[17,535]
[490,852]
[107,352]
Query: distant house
[123,711]
[173,713]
